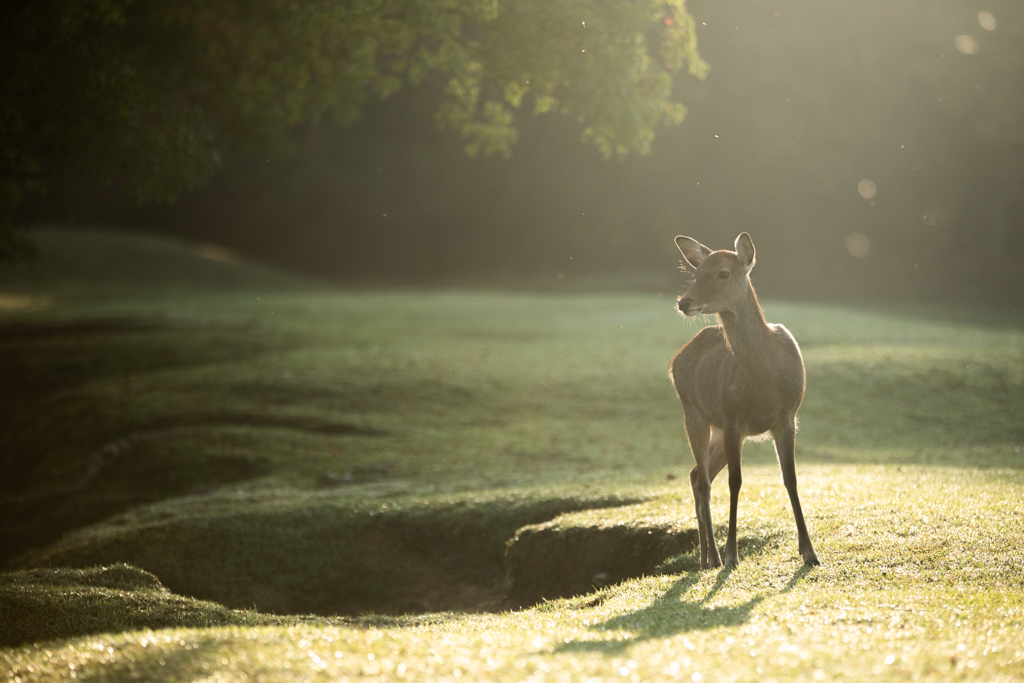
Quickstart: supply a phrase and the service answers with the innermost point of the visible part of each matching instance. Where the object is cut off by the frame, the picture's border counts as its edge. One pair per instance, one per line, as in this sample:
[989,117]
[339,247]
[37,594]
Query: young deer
[740,379]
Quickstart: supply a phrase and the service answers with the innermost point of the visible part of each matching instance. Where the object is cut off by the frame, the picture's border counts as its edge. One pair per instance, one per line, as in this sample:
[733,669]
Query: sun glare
[966,44]
[858,244]
[867,188]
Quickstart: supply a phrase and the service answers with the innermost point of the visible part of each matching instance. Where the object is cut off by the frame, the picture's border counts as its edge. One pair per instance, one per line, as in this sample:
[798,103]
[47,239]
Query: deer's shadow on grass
[677,611]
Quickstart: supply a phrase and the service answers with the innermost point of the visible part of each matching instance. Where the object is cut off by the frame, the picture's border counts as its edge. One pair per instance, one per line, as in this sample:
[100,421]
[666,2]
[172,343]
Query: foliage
[804,102]
[581,57]
[152,95]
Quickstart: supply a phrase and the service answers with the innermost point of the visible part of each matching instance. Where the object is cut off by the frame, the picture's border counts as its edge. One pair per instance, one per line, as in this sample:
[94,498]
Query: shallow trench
[546,562]
[328,560]
[540,562]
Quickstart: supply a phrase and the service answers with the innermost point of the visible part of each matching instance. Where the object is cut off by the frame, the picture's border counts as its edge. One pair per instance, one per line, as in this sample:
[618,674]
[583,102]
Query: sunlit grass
[490,389]
[910,586]
[280,417]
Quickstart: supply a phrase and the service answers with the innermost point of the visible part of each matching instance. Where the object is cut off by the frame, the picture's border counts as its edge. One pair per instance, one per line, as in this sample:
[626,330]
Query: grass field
[265,453]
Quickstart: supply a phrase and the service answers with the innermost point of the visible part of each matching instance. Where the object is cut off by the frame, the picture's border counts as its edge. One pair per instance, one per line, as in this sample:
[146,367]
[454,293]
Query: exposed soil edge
[549,562]
[328,559]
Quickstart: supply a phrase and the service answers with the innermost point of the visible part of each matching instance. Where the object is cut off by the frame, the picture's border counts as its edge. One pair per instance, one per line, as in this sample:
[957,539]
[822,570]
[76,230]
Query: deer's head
[721,277]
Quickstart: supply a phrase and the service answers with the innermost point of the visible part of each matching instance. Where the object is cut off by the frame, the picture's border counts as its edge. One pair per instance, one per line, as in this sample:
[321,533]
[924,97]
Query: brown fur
[740,379]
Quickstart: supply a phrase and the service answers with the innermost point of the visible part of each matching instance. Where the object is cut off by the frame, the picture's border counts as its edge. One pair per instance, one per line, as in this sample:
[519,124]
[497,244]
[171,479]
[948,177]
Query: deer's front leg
[698,433]
[732,447]
[709,556]
[702,527]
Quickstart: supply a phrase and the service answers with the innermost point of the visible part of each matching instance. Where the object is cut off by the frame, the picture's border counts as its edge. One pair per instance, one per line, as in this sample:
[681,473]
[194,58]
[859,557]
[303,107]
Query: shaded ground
[314,555]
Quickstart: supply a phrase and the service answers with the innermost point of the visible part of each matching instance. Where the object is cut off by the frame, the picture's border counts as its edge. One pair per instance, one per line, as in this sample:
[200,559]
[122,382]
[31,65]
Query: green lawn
[253,441]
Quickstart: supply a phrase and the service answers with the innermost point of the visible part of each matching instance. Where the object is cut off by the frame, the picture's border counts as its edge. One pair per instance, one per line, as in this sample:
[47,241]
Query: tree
[152,95]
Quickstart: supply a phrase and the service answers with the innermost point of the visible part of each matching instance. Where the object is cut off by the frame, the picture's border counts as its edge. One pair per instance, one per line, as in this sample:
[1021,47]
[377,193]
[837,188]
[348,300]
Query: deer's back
[708,377]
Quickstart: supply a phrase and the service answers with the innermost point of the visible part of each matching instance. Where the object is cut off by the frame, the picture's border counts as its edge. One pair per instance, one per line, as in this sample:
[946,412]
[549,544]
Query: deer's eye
[724,275]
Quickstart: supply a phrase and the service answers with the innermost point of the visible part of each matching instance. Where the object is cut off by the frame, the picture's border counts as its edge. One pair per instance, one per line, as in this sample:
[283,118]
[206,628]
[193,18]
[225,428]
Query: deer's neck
[751,340]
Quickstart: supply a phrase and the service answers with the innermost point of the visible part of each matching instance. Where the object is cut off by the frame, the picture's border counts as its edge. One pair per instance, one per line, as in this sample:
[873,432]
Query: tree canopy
[153,95]
[916,103]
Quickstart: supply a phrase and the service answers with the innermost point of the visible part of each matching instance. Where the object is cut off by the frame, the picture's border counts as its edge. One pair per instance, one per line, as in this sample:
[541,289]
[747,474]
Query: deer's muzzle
[686,306]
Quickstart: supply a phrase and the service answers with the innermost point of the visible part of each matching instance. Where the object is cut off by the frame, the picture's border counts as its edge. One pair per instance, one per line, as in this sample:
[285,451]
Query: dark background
[804,100]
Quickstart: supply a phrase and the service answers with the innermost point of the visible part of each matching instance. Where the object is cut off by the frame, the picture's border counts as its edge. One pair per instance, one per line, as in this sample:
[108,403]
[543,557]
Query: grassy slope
[198,393]
[48,604]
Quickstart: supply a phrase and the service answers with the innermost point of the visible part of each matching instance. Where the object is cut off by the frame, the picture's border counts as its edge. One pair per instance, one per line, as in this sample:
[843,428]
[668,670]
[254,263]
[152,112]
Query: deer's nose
[684,304]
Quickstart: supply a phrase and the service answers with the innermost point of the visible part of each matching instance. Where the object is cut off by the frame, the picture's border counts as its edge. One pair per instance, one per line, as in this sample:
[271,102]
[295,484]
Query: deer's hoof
[811,560]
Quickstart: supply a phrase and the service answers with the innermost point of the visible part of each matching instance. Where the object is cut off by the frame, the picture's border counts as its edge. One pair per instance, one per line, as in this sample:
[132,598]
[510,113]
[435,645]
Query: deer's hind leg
[698,432]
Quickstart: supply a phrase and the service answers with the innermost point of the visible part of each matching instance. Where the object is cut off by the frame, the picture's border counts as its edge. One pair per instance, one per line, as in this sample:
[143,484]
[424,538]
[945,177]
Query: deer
[743,378]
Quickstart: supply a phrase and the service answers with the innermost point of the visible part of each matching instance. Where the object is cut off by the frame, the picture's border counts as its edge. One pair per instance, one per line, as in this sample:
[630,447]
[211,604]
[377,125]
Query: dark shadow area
[328,560]
[547,563]
[128,472]
[42,363]
[61,461]
[36,519]
[37,358]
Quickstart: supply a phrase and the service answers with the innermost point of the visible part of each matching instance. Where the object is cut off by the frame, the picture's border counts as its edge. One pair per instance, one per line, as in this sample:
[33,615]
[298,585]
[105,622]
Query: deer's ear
[745,251]
[693,251]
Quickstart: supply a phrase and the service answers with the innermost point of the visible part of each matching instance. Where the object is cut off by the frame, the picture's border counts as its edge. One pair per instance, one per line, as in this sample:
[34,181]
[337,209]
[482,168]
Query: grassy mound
[75,263]
[40,605]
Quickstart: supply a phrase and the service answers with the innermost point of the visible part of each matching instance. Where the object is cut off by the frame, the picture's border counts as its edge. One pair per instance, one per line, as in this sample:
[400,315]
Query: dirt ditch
[328,560]
[546,562]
